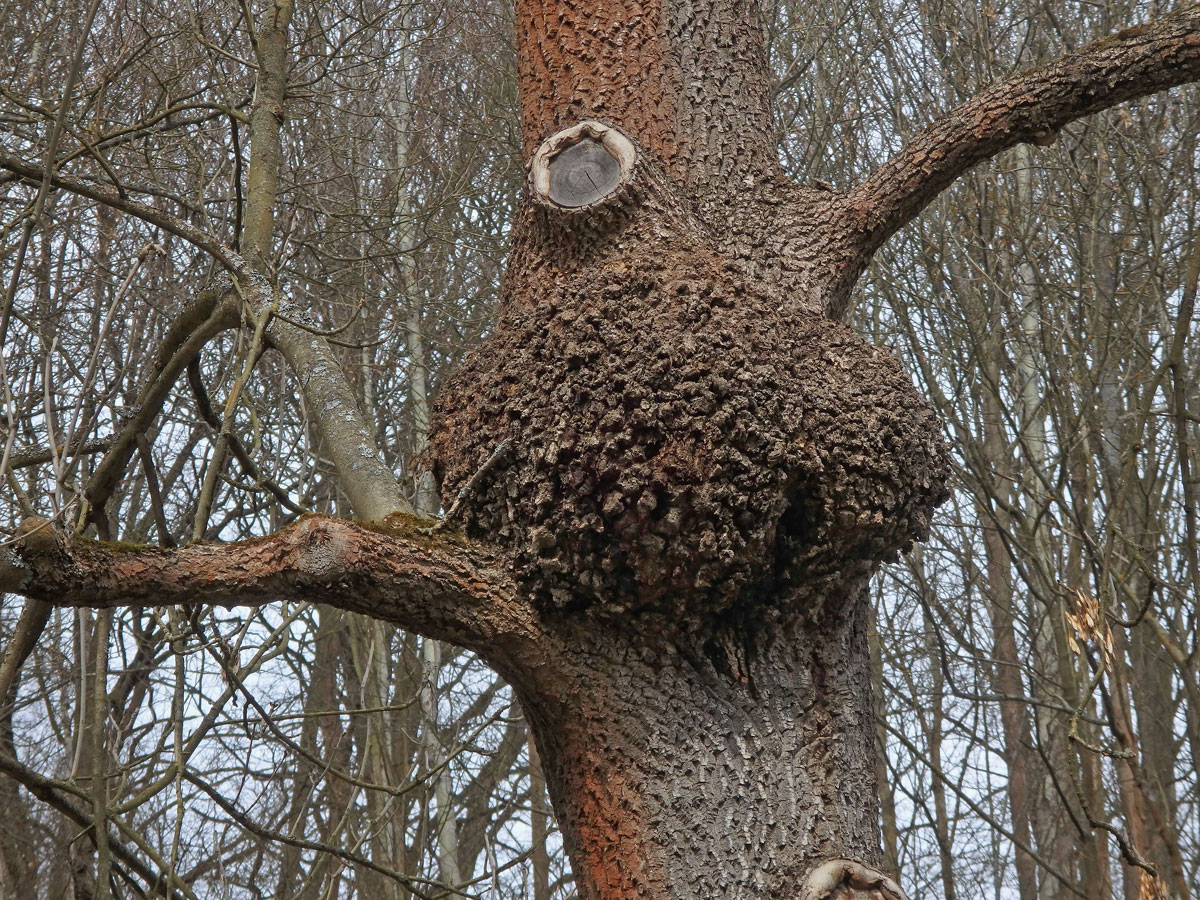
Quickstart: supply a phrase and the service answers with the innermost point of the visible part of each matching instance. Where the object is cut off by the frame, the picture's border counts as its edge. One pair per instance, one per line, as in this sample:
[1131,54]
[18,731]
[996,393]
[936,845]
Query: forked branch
[364,477]
[1027,108]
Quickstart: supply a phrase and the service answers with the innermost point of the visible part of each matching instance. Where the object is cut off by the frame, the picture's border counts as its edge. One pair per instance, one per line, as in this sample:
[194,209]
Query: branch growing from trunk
[1027,108]
[441,586]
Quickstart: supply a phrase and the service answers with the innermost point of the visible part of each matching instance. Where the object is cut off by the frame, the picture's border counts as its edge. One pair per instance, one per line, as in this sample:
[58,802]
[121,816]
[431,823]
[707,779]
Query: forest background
[1044,303]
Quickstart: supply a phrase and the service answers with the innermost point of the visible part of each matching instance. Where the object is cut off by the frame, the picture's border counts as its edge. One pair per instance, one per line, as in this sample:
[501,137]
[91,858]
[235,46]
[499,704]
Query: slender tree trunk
[84,762]
[18,856]
[318,698]
[887,793]
[539,820]
[362,476]
[370,645]
[445,828]
[1006,678]
[935,718]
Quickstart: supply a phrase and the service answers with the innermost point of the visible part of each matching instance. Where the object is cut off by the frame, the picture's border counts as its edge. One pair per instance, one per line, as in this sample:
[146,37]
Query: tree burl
[684,442]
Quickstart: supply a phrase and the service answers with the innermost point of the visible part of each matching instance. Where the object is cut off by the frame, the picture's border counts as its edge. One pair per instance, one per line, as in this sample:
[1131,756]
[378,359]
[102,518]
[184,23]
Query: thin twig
[473,483]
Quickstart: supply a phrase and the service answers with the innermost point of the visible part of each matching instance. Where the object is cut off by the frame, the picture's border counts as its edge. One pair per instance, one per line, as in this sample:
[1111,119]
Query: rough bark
[687,81]
[672,779]
[393,570]
[683,470]
[684,444]
[701,477]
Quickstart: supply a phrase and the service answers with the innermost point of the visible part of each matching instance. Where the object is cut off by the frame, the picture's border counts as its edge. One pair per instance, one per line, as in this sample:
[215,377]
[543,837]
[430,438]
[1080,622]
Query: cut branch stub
[582,166]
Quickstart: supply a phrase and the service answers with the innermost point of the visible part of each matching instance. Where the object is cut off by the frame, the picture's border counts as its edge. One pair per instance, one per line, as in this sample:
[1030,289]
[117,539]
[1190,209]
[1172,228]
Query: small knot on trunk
[843,879]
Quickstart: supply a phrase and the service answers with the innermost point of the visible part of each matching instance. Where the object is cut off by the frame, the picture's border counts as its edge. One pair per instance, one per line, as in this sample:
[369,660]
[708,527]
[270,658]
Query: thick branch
[24,457]
[441,586]
[1027,108]
[329,399]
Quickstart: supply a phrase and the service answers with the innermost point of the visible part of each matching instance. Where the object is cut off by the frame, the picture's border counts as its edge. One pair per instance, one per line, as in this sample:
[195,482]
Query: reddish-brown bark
[581,59]
[676,470]
[395,571]
[687,81]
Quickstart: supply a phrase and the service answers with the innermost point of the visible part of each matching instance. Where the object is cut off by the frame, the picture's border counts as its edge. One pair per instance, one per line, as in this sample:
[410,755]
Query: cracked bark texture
[687,443]
[674,778]
[676,470]
[703,467]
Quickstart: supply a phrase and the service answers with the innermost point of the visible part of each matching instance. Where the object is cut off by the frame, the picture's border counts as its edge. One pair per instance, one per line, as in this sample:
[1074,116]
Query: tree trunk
[675,470]
[539,819]
[1006,678]
[673,779]
[701,479]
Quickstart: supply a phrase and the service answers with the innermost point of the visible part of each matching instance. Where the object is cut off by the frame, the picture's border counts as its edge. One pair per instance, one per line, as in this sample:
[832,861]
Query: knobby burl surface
[701,471]
[687,441]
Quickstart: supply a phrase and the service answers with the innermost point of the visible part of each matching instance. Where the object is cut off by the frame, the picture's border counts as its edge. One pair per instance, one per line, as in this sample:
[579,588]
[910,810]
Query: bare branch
[233,262]
[209,314]
[59,795]
[23,457]
[267,834]
[364,477]
[204,407]
[443,586]
[1027,108]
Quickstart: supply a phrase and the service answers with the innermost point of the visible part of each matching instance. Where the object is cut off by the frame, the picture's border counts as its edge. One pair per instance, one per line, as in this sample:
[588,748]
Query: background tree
[353,234]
